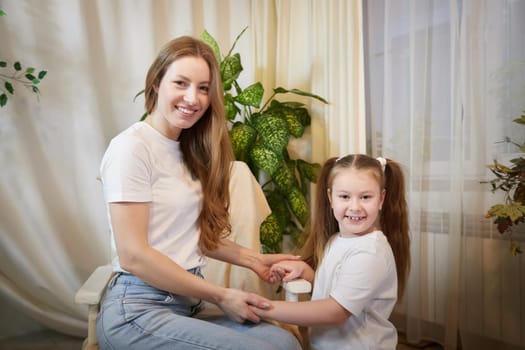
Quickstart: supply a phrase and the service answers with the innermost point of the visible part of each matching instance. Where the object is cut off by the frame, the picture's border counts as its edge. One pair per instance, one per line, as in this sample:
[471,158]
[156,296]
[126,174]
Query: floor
[46,340]
[55,341]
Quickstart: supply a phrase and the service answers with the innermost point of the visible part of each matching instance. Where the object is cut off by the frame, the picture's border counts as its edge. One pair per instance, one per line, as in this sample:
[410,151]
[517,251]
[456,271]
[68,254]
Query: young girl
[358,253]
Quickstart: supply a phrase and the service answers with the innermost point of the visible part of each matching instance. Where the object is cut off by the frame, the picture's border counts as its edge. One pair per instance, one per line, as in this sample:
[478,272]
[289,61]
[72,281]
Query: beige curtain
[53,229]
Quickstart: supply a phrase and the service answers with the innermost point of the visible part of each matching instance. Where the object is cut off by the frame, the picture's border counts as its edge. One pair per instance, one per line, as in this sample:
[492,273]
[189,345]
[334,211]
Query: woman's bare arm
[130,226]
[236,254]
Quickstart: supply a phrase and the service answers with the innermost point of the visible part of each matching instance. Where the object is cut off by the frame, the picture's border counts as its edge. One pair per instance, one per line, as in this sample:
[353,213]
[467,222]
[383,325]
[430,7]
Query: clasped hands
[241,306]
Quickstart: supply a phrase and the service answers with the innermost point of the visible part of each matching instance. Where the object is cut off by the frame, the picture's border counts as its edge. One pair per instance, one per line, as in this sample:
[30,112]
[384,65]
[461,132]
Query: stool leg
[92,327]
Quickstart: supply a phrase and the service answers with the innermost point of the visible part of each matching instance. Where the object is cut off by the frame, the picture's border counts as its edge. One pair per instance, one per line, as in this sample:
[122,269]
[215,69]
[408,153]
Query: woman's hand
[239,305]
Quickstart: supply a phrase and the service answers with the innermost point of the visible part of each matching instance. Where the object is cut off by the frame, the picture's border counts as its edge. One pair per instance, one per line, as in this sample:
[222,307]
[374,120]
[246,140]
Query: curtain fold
[53,226]
[338,72]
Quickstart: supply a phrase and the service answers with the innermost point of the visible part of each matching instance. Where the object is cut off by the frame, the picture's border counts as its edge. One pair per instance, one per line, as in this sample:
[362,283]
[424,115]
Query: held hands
[264,263]
[239,305]
[288,270]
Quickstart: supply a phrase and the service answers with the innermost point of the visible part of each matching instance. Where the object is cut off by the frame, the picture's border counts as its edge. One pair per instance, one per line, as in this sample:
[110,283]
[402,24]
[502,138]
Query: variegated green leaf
[231,68]
[277,203]
[281,90]
[251,96]
[294,113]
[229,106]
[285,178]
[265,159]
[271,233]
[242,137]
[309,171]
[299,205]
[208,39]
[273,132]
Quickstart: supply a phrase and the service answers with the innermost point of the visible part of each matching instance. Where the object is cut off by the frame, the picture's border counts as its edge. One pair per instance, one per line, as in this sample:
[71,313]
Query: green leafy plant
[260,134]
[510,180]
[16,74]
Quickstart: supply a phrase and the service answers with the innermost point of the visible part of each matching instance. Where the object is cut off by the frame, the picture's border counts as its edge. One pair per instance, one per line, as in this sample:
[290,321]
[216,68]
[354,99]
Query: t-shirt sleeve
[126,171]
[359,280]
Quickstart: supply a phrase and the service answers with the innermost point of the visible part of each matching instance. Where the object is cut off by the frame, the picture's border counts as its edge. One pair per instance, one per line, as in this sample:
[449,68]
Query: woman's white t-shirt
[142,165]
[359,272]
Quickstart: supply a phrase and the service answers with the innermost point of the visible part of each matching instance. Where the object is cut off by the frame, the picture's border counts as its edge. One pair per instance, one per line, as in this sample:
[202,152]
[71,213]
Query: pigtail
[394,221]
[324,224]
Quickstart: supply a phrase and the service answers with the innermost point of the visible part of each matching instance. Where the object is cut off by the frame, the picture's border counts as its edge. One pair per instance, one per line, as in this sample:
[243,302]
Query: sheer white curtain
[53,229]
[446,79]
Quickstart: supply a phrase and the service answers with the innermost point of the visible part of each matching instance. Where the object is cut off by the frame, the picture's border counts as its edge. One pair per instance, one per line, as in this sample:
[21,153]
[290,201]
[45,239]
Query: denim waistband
[128,278]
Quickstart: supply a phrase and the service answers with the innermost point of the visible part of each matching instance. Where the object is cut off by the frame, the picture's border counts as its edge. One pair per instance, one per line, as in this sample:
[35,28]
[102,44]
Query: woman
[166,184]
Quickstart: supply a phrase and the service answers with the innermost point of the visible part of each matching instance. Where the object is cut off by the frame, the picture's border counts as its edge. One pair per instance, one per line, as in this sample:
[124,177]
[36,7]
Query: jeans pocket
[134,306]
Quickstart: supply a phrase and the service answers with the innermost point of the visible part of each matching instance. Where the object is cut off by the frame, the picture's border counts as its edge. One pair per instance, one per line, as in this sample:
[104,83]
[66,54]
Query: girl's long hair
[206,146]
[393,216]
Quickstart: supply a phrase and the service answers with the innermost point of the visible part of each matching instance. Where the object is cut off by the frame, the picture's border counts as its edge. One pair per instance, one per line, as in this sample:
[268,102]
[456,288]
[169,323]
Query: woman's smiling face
[356,199]
[183,96]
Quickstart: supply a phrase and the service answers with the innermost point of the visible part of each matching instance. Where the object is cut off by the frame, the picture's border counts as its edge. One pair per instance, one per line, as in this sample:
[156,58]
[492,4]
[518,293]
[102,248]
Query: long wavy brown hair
[206,146]
[393,217]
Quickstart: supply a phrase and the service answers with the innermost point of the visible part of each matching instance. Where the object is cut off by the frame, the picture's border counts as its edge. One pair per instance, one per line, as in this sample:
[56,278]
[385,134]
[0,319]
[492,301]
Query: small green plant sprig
[510,180]
[16,74]
[260,133]
[11,75]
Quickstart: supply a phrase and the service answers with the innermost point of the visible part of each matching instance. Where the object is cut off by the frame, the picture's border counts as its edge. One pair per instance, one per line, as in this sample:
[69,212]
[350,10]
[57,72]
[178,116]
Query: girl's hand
[239,305]
[264,262]
[289,270]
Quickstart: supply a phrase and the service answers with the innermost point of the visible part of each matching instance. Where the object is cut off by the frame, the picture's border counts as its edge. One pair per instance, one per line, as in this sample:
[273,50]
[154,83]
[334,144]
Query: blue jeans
[135,315]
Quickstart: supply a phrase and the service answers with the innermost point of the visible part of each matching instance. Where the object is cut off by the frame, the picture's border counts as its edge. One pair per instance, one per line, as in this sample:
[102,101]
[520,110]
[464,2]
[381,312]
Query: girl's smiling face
[183,96]
[356,199]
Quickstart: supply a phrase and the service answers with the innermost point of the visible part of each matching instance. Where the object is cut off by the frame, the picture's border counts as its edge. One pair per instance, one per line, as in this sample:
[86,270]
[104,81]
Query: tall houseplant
[511,180]
[260,134]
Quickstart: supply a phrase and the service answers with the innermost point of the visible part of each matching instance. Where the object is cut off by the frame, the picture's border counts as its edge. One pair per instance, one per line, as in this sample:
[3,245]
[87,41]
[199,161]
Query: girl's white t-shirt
[142,165]
[358,272]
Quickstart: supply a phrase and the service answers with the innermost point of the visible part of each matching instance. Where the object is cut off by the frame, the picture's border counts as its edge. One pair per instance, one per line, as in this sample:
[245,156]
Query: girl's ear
[329,194]
[383,194]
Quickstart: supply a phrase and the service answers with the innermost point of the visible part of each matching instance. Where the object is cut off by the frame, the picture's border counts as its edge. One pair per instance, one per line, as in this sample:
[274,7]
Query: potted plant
[511,180]
[260,133]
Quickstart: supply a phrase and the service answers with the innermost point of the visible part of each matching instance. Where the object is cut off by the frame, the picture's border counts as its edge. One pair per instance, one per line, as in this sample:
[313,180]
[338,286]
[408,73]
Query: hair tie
[382,161]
